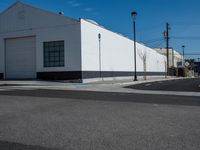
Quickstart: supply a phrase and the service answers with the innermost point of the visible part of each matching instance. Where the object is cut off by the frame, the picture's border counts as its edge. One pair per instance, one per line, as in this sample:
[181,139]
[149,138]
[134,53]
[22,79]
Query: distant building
[175,58]
[197,67]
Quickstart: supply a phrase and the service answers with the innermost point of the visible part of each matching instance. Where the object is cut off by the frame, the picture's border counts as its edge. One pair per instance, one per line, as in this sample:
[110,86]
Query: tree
[143,56]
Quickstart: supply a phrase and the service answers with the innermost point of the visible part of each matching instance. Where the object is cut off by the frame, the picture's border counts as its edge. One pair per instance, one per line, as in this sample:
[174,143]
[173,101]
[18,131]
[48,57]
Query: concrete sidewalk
[66,84]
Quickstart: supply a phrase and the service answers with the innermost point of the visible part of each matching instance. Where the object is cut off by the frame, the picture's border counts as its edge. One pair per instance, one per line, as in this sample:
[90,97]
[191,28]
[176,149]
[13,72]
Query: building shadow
[5,145]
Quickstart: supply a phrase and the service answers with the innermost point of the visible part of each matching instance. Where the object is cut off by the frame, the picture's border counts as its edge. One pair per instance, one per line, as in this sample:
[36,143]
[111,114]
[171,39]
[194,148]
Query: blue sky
[183,16]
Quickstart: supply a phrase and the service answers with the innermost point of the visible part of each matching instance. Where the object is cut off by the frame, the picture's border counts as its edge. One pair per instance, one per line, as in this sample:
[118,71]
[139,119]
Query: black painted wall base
[68,75]
[97,74]
[79,75]
[1,76]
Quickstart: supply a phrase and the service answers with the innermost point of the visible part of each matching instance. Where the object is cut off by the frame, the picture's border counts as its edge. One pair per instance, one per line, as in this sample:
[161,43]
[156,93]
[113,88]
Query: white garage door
[20,58]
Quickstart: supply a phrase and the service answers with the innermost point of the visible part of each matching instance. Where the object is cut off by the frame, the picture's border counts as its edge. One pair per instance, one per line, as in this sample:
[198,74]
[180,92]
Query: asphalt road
[74,120]
[187,85]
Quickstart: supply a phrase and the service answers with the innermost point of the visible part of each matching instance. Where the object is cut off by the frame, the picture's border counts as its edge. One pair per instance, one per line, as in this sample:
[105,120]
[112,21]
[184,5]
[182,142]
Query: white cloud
[73,3]
[88,9]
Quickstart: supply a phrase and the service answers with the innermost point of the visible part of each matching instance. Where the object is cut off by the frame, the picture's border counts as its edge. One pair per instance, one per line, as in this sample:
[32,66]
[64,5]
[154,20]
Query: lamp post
[183,47]
[99,38]
[133,15]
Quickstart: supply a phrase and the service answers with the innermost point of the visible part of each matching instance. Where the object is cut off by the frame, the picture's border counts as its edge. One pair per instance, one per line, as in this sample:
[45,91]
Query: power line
[192,54]
[152,40]
[185,24]
[186,37]
[157,44]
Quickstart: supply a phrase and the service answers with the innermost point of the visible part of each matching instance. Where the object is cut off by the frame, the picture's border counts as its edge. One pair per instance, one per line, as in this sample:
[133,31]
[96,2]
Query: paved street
[80,120]
[188,85]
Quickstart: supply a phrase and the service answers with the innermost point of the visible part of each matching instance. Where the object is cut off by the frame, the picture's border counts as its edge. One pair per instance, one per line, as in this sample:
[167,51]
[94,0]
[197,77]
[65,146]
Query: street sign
[187,64]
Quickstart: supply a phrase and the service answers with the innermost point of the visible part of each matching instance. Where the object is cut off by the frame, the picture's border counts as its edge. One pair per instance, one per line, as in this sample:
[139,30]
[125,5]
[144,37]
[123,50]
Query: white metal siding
[20,58]
[22,20]
[116,52]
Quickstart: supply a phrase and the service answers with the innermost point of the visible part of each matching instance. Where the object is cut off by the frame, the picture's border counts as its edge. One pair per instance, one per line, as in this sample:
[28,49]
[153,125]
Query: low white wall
[116,51]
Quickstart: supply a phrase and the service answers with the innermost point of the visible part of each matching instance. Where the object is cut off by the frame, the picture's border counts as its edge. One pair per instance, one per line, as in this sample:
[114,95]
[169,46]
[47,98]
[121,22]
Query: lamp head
[133,14]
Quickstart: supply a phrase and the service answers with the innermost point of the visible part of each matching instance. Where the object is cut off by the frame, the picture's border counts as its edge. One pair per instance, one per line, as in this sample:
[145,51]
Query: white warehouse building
[37,44]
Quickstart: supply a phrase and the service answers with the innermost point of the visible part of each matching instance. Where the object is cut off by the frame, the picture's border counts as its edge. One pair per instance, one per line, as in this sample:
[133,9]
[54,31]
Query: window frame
[52,51]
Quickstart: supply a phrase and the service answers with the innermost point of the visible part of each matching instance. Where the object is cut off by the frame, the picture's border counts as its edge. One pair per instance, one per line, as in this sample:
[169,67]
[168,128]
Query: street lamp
[100,70]
[183,47]
[133,15]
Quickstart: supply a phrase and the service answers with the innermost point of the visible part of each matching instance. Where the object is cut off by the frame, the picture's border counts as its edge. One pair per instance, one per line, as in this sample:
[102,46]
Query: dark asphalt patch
[12,85]
[4,145]
[182,85]
[9,85]
[107,96]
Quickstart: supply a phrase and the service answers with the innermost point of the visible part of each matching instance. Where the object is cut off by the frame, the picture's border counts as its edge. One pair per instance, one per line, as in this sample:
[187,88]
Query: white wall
[116,51]
[81,42]
[177,56]
[155,62]
[22,20]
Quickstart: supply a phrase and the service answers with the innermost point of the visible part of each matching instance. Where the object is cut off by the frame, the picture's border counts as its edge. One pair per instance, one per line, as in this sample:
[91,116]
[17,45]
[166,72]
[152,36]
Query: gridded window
[54,54]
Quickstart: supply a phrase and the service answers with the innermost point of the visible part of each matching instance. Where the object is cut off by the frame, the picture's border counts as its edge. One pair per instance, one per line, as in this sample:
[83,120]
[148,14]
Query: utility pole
[173,57]
[183,62]
[198,66]
[166,35]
